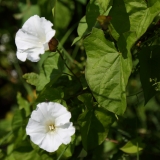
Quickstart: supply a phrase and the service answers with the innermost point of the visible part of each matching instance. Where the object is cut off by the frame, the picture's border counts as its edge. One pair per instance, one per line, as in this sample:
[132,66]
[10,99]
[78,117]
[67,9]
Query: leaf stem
[67,65]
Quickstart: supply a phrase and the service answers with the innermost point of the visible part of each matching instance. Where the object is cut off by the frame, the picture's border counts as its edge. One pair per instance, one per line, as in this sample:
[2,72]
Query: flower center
[51,127]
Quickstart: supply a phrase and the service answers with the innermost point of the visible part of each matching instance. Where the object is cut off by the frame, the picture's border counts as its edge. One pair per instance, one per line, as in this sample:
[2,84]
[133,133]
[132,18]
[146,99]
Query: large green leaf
[106,72]
[51,69]
[94,126]
[149,58]
[130,20]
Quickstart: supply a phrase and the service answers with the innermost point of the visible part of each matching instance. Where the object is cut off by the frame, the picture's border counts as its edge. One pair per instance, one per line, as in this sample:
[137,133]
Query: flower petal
[25,40]
[36,131]
[35,127]
[49,32]
[66,133]
[41,114]
[34,26]
[51,142]
[62,119]
[37,138]
[58,110]
[21,55]
[33,54]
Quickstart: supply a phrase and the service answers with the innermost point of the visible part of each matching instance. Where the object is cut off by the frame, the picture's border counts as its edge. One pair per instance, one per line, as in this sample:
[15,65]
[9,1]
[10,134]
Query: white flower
[50,126]
[32,39]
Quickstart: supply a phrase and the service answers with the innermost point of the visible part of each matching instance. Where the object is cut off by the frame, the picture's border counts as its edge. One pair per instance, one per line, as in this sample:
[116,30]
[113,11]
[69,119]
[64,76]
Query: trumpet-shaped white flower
[32,39]
[50,126]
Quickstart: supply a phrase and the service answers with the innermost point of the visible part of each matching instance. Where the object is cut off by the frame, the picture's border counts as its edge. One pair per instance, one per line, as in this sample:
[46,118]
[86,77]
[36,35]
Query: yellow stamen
[51,127]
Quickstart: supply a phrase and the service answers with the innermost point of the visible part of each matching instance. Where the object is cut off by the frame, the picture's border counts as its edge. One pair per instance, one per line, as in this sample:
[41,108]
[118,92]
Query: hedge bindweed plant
[94,100]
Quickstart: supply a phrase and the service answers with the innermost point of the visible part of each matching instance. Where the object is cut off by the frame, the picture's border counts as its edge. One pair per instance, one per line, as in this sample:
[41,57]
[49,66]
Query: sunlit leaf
[133,146]
[51,69]
[82,28]
[130,20]
[106,72]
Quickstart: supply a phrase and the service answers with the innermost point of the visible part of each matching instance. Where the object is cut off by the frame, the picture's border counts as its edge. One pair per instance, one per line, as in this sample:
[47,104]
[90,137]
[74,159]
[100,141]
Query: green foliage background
[113,94]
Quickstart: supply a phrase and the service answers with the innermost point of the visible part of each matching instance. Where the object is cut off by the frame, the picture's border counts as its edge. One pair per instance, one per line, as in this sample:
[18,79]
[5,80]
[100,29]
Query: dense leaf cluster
[119,40]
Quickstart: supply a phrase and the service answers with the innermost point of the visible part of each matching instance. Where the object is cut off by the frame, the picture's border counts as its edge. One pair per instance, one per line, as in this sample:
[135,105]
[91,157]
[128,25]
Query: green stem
[75,51]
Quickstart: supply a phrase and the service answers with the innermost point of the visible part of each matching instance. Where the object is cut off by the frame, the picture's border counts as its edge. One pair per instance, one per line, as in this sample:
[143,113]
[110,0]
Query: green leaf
[66,151]
[94,126]
[82,28]
[149,58]
[31,78]
[50,70]
[92,12]
[106,72]
[26,155]
[63,12]
[87,99]
[133,146]
[89,21]
[61,89]
[120,19]
[25,151]
[23,104]
[70,86]
[18,119]
[5,131]
[130,20]
[50,94]
[103,4]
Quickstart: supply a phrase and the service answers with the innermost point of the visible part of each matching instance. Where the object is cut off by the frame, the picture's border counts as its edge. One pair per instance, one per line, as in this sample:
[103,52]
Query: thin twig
[112,140]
